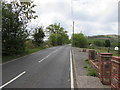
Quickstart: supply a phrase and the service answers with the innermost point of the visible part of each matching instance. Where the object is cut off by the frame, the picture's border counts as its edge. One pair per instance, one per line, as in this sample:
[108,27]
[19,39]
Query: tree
[57,34]
[38,36]
[55,39]
[108,44]
[14,22]
[55,28]
[98,42]
[119,47]
[79,40]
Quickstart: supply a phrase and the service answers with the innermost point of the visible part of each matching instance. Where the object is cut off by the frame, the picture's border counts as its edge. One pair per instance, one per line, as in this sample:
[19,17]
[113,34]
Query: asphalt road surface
[49,68]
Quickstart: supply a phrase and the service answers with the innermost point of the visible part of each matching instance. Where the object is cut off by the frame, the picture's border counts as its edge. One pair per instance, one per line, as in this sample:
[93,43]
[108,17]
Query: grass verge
[91,70]
[28,51]
[86,61]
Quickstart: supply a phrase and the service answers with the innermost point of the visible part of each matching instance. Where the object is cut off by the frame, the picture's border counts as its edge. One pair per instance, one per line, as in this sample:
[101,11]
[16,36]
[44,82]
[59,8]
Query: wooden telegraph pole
[73,34]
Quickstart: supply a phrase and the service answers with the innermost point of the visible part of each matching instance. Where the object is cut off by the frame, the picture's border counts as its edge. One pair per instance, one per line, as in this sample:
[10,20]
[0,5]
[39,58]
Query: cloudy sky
[91,17]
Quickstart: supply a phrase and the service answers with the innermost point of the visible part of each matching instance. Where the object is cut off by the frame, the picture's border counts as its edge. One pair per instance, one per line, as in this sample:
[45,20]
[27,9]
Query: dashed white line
[44,58]
[49,55]
[71,71]
[25,71]
[12,80]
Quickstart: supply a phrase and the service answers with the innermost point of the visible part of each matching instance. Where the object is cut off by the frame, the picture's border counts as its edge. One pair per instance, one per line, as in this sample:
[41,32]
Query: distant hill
[112,37]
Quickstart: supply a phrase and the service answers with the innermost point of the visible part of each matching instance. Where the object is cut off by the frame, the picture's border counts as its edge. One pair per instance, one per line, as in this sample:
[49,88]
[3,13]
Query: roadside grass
[28,51]
[116,54]
[105,50]
[85,66]
[91,70]
[86,61]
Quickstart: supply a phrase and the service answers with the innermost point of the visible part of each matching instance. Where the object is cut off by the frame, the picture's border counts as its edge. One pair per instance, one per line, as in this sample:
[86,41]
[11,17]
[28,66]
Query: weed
[92,72]
[85,66]
[86,61]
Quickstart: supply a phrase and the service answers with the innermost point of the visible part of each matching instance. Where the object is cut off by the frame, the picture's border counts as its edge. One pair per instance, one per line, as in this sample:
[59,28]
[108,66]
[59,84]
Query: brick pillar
[105,68]
[91,54]
[115,73]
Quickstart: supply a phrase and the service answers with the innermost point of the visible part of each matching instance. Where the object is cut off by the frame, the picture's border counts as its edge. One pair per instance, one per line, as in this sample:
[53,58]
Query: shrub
[79,40]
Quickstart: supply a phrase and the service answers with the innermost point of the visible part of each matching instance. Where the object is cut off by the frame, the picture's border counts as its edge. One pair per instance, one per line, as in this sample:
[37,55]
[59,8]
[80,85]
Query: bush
[79,40]
[38,36]
[98,43]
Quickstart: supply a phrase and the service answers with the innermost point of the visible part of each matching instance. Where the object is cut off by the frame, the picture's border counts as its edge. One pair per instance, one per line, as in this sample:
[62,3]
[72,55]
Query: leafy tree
[119,47]
[108,44]
[58,36]
[55,28]
[98,42]
[55,39]
[14,22]
[38,36]
[79,40]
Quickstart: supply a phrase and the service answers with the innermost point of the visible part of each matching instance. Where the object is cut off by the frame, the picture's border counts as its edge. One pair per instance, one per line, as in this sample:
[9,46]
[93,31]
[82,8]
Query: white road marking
[49,55]
[44,58]
[71,71]
[21,57]
[12,80]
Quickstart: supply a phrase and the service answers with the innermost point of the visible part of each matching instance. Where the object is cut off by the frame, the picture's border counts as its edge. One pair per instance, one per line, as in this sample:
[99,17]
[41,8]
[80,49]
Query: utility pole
[73,33]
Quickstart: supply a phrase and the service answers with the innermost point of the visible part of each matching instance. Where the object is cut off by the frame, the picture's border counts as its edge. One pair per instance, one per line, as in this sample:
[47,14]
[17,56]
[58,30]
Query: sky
[91,17]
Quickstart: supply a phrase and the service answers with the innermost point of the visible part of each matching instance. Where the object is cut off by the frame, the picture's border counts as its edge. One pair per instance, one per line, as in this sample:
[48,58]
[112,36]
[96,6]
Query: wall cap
[116,57]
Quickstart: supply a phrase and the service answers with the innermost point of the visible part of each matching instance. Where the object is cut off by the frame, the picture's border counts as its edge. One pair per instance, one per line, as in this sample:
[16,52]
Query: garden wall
[108,67]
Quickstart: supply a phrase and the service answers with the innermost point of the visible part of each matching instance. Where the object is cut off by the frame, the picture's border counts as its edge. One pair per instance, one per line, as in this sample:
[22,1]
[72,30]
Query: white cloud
[91,16]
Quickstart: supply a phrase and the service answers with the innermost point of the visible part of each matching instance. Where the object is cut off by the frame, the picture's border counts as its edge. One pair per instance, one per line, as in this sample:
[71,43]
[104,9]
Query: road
[49,68]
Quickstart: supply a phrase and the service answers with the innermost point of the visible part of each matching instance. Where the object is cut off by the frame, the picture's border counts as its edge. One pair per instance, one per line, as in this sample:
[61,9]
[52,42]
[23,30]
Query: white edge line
[71,71]
[12,80]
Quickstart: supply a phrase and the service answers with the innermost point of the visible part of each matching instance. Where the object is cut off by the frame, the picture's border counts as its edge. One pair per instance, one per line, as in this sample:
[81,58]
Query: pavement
[82,80]
[49,68]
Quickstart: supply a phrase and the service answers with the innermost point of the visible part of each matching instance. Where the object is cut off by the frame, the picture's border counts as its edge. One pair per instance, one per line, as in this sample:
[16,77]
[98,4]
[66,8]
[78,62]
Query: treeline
[15,35]
[82,41]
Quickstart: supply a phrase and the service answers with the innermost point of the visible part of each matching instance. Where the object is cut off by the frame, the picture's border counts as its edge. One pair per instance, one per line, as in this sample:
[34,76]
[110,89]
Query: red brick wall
[115,72]
[109,69]
[105,68]
[90,53]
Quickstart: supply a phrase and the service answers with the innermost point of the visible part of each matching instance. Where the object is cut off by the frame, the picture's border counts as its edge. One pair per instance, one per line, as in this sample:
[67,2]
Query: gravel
[82,80]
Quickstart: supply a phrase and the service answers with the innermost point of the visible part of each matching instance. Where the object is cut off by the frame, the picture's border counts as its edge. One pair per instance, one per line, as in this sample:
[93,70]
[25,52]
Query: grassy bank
[90,69]
[105,50]
[28,51]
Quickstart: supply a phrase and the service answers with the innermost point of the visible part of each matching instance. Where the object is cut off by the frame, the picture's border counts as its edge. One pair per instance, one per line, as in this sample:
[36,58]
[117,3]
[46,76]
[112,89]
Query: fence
[108,67]
[115,72]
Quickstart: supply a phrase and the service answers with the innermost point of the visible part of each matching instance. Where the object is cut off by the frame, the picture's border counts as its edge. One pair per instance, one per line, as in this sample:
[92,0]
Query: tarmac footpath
[81,79]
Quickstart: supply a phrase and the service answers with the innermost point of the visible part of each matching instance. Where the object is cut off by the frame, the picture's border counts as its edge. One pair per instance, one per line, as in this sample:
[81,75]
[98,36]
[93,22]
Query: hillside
[112,38]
